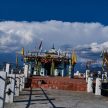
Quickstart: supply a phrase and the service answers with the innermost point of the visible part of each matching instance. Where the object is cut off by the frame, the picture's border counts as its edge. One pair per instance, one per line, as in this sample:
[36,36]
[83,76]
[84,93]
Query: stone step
[62,83]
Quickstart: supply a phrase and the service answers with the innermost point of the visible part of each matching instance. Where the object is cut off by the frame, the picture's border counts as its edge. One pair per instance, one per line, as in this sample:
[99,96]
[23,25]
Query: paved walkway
[39,98]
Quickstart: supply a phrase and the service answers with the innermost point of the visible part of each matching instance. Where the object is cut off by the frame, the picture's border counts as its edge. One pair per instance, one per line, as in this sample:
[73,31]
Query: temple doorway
[47,67]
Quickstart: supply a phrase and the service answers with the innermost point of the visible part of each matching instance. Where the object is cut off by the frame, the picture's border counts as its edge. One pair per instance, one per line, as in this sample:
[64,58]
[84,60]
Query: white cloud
[93,47]
[14,35]
[99,47]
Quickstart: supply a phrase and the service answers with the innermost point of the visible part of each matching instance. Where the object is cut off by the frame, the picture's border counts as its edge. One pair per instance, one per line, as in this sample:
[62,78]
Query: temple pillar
[87,75]
[56,72]
[42,72]
[52,67]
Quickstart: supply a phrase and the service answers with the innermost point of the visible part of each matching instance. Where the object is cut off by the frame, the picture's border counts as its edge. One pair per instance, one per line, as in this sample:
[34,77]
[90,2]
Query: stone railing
[10,85]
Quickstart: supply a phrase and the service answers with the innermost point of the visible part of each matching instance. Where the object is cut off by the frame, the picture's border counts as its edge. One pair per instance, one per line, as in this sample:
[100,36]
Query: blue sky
[75,23]
[63,10]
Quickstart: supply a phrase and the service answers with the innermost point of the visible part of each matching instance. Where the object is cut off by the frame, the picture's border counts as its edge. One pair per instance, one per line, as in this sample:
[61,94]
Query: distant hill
[9,58]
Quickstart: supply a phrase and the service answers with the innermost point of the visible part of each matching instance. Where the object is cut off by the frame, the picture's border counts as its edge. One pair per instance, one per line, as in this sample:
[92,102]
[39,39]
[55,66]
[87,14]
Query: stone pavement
[50,98]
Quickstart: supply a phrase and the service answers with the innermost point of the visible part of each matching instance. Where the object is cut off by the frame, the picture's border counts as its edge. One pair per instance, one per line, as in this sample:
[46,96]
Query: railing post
[10,90]
[8,68]
[98,86]
[17,84]
[3,76]
[90,84]
[26,71]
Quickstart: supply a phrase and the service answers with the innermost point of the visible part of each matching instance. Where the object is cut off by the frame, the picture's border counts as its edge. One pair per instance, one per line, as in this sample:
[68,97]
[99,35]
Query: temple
[52,62]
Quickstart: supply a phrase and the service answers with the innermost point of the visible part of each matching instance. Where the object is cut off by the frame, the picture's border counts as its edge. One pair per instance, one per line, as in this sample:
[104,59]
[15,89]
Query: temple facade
[49,63]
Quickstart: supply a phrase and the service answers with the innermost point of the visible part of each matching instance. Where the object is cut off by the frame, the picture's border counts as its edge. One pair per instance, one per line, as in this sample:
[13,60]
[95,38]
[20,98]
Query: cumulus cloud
[94,47]
[14,35]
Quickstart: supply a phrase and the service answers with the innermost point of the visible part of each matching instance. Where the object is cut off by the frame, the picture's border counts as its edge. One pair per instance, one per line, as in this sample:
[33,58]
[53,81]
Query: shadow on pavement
[31,101]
